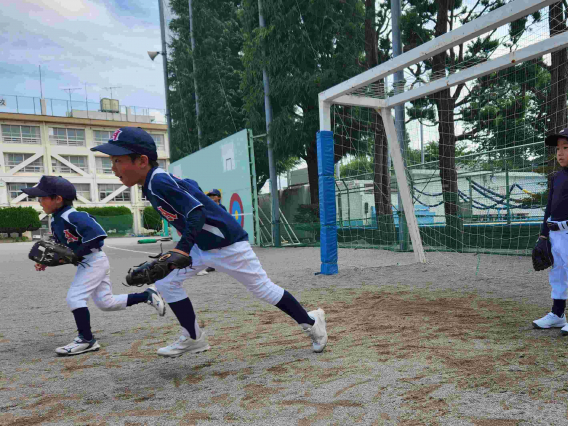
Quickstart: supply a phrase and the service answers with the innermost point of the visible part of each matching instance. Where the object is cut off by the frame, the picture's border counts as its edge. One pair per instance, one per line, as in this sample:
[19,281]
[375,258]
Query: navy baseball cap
[52,185]
[214,192]
[552,140]
[129,140]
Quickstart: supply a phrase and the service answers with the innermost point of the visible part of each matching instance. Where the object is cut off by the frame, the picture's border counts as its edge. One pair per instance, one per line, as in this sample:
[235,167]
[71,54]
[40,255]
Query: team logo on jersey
[116,134]
[70,237]
[170,217]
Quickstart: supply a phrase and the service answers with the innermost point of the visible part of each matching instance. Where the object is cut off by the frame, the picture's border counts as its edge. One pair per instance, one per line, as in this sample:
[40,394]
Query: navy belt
[557,227]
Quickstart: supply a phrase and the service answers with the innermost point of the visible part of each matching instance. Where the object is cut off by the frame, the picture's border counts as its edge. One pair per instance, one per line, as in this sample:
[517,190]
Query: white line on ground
[133,251]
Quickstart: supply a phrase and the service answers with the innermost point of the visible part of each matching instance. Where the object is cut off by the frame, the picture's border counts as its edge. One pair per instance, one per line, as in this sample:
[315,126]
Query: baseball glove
[49,253]
[542,255]
[150,272]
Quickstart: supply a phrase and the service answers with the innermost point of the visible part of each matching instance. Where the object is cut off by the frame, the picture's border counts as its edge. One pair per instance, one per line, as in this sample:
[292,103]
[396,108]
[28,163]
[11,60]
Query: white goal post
[352,93]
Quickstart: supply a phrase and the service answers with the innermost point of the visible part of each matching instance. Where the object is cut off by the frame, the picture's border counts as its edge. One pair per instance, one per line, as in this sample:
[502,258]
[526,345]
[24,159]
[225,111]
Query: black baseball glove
[542,255]
[49,253]
[150,272]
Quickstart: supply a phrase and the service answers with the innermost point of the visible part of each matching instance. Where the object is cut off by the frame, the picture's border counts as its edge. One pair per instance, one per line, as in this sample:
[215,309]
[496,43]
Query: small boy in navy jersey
[209,234]
[555,228]
[81,233]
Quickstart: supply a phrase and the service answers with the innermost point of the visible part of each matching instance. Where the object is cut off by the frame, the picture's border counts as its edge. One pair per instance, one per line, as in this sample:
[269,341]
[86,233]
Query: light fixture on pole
[153,55]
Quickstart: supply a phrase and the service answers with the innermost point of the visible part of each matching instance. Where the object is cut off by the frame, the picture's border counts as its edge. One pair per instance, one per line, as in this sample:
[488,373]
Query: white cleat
[317,332]
[156,301]
[78,346]
[203,272]
[185,344]
[550,320]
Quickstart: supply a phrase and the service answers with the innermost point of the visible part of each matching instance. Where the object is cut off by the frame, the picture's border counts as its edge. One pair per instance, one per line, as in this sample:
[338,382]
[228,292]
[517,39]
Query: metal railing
[17,104]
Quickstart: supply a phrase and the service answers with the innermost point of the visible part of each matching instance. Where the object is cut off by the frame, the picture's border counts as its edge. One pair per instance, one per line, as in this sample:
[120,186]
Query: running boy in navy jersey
[555,228]
[209,234]
[81,233]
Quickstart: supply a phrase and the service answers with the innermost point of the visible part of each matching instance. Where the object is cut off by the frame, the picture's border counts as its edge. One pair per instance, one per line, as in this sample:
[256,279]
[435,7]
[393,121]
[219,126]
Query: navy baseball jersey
[557,205]
[77,230]
[176,198]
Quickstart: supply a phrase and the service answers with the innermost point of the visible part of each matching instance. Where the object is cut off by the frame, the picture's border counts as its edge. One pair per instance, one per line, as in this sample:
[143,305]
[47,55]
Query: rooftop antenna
[110,88]
[70,90]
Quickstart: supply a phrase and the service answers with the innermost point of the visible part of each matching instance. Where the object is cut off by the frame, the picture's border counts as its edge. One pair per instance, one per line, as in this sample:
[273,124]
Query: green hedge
[113,219]
[19,220]
[106,211]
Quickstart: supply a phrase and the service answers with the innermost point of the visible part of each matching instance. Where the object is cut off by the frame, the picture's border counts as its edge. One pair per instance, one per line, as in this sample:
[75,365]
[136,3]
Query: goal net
[463,168]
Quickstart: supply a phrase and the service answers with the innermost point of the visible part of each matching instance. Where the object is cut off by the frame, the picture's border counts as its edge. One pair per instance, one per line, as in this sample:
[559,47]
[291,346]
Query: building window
[15,189]
[159,139]
[13,160]
[102,136]
[104,165]
[106,189]
[70,137]
[141,193]
[84,190]
[79,161]
[21,134]
[162,164]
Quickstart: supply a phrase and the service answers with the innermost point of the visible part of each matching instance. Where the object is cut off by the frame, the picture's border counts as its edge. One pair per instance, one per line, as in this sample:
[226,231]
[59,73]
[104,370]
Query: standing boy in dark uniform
[211,235]
[81,233]
[555,229]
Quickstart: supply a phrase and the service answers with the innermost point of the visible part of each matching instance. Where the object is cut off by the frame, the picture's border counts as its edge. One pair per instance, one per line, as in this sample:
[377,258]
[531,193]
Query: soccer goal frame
[349,93]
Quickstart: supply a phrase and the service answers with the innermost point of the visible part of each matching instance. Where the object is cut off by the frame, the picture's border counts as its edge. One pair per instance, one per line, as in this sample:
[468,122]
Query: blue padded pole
[328,225]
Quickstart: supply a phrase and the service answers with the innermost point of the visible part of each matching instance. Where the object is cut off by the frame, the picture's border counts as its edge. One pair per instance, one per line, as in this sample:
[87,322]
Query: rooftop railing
[80,109]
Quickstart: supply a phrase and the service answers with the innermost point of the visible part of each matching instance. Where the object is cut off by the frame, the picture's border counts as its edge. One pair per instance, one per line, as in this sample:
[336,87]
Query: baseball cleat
[317,332]
[78,346]
[156,301]
[203,272]
[550,320]
[185,344]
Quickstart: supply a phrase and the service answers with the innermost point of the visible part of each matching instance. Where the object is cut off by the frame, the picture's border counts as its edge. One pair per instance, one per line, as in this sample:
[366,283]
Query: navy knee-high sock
[135,298]
[292,307]
[185,314]
[83,321]
[558,307]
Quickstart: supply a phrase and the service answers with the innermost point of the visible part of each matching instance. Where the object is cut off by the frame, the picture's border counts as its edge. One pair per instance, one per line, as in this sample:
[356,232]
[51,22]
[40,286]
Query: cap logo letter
[116,134]
[167,215]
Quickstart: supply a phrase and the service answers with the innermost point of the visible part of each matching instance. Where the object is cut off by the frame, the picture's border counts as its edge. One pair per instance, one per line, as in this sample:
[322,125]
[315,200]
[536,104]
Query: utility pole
[165,62]
[271,164]
[40,84]
[399,111]
[191,27]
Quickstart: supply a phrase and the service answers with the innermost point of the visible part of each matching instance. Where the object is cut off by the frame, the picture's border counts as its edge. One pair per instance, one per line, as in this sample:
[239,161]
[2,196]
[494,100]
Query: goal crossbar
[499,17]
[513,58]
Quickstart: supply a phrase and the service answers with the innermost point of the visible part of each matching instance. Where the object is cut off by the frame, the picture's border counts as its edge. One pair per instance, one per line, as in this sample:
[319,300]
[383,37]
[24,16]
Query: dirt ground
[445,343]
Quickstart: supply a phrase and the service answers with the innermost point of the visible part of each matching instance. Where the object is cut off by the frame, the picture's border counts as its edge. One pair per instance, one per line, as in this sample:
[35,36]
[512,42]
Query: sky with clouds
[102,43]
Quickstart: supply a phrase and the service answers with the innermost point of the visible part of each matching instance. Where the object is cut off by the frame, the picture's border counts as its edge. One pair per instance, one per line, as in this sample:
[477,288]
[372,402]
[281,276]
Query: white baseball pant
[237,260]
[94,280]
[558,275]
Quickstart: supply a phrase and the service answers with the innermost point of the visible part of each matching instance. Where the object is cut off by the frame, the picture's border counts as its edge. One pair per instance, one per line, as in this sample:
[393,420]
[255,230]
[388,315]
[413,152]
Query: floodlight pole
[191,28]
[271,164]
[165,61]
[399,111]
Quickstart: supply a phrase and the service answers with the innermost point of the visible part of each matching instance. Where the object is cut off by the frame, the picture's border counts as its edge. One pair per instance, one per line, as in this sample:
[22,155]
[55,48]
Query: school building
[39,143]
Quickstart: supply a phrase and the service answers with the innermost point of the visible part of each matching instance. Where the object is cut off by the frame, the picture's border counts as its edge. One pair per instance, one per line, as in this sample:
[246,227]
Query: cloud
[100,42]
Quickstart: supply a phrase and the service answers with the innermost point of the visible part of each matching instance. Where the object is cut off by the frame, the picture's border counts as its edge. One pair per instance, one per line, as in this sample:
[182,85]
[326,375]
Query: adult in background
[215,195]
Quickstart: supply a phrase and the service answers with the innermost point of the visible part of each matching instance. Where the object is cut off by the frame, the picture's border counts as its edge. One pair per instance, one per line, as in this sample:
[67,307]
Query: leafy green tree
[219,39]
[19,220]
[151,219]
[219,67]
[310,46]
